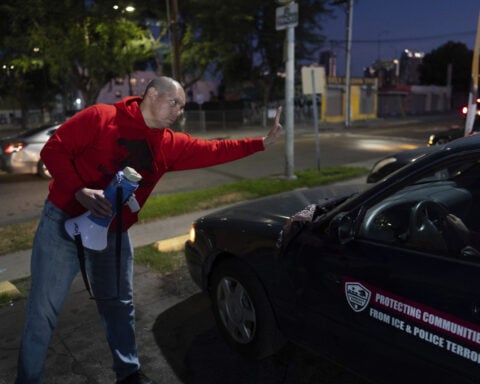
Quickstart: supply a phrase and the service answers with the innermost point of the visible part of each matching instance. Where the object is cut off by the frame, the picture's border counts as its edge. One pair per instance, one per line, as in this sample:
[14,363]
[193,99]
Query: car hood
[278,208]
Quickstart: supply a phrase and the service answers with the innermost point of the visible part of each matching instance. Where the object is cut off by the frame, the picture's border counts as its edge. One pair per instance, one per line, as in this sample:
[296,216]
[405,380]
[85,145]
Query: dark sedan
[442,137]
[384,282]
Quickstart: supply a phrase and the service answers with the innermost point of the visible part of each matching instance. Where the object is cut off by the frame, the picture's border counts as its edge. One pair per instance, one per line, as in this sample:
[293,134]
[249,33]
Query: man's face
[166,108]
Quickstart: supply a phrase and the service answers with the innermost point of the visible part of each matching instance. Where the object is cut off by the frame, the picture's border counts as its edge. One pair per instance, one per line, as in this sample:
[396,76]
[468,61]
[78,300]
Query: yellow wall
[355,93]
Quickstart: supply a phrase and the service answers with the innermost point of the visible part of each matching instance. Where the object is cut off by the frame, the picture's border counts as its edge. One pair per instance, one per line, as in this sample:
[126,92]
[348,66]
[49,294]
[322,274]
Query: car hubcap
[236,310]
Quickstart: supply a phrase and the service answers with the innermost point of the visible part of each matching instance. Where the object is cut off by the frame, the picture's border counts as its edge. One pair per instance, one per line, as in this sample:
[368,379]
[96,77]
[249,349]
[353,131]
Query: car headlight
[431,140]
[192,234]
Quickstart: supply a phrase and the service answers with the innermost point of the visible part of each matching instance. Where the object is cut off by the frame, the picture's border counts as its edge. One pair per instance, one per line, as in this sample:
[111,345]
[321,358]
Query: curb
[172,245]
[7,288]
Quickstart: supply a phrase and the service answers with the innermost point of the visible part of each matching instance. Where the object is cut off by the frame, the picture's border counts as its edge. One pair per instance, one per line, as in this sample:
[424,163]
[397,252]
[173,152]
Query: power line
[405,39]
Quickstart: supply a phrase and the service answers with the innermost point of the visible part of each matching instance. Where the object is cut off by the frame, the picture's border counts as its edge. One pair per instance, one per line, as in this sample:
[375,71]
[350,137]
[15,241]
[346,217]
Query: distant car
[442,137]
[384,282]
[389,164]
[465,109]
[21,154]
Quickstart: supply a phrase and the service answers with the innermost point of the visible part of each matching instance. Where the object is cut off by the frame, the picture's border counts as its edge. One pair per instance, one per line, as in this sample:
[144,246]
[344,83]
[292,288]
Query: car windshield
[452,171]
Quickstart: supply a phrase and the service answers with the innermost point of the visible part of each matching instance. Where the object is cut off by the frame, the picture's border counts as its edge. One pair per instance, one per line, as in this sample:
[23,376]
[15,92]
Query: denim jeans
[54,265]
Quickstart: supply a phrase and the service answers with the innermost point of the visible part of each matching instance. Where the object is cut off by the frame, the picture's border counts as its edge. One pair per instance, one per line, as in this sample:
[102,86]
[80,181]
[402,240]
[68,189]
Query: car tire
[42,170]
[243,312]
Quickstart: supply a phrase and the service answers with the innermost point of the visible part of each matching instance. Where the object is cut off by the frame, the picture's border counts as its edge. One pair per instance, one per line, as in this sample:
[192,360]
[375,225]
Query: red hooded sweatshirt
[88,149]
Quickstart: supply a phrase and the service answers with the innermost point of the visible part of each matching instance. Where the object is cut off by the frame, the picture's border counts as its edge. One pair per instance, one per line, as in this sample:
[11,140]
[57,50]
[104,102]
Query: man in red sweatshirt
[83,156]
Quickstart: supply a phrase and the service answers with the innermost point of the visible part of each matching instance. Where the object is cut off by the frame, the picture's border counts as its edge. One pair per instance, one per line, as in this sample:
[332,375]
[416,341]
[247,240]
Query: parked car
[384,282]
[21,154]
[389,164]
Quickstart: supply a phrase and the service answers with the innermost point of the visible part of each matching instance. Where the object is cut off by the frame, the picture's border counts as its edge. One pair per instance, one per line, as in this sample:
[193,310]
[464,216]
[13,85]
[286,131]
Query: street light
[128,8]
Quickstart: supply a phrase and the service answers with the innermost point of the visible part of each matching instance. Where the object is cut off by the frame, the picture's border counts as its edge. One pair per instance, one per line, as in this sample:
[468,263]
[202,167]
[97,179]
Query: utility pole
[172,16]
[348,63]
[287,18]
[289,104]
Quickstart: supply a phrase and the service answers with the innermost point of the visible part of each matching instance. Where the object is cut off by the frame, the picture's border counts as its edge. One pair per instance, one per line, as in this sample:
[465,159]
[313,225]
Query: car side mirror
[341,228]
[470,253]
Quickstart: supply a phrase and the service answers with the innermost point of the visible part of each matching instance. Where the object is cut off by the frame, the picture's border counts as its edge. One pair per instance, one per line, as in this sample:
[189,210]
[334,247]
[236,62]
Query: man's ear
[152,93]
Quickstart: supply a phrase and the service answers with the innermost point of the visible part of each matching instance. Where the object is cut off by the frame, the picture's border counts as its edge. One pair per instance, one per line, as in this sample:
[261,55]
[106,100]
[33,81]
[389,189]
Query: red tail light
[13,147]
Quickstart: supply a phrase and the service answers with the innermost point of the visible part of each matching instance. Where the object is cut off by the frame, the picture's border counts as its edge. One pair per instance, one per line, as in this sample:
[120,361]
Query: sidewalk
[17,265]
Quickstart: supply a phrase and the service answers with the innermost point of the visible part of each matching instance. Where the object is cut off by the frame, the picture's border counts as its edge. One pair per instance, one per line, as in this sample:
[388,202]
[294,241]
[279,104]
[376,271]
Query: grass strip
[18,237]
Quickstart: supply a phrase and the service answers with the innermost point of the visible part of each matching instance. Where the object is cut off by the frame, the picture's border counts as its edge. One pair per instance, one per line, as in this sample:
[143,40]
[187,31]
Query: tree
[25,82]
[82,45]
[434,67]
[238,40]
[92,46]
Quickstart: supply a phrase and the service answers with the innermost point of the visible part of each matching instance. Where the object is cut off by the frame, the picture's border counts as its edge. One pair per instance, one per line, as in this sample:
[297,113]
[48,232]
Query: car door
[424,296]
[420,304]
[394,296]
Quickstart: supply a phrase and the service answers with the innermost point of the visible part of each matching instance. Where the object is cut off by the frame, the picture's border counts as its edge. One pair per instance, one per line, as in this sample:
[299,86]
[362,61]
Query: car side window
[432,214]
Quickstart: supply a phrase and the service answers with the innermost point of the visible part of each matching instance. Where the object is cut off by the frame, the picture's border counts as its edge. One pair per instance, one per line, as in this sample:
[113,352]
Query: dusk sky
[384,28]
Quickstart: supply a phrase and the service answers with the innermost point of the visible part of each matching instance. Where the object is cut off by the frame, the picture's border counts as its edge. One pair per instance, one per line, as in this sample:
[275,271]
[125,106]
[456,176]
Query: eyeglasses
[175,103]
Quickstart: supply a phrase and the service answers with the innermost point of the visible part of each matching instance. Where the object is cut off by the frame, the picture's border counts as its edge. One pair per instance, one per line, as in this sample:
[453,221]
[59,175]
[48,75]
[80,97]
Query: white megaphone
[93,230]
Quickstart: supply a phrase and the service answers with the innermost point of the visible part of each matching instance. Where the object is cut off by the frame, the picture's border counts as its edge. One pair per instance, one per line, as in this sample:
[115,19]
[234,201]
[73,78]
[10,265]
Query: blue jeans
[54,265]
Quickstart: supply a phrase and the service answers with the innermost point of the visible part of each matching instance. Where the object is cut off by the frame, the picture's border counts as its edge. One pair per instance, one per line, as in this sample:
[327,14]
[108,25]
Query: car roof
[34,133]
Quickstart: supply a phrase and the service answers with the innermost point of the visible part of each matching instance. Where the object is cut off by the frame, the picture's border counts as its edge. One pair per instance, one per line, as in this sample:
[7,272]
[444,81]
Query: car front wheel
[43,171]
[242,310]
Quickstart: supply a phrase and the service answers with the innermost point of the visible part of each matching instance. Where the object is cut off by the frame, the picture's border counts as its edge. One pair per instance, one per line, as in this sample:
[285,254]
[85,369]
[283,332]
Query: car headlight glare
[192,234]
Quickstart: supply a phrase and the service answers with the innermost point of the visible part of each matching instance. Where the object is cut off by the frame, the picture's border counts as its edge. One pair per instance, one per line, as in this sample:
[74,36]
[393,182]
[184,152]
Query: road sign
[313,77]
[286,16]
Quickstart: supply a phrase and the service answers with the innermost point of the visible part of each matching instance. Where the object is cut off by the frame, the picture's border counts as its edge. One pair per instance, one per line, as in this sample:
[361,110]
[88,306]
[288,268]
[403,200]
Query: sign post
[313,82]
[287,18]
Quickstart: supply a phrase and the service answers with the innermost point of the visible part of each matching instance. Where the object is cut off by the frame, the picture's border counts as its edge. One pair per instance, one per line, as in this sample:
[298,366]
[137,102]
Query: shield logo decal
[357,296]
